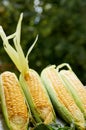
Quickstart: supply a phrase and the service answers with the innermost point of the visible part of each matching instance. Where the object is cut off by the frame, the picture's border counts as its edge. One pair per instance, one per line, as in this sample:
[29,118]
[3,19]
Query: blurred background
[61,25]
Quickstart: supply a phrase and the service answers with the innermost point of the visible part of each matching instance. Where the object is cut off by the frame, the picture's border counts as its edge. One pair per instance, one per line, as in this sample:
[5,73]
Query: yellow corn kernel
[14,99]
[39,96]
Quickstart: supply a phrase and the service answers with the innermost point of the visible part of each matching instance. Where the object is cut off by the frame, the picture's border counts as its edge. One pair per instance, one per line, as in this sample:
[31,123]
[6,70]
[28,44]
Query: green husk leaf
[23,62]
[43,127]
[55,126]
[3,103]
[11,36]
[30,49]
[29,99]
[24,67]
[16,54]
[9,49]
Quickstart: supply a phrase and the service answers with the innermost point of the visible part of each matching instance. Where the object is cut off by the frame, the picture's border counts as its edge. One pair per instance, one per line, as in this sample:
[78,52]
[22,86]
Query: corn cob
[74,85]
[13,102]
[61,98]
[36,94]
[39,97]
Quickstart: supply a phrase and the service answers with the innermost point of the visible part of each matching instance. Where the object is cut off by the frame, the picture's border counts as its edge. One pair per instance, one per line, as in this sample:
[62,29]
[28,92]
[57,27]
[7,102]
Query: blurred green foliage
[61,25]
